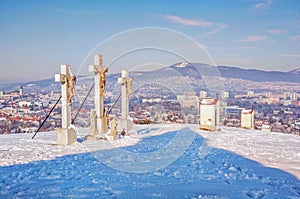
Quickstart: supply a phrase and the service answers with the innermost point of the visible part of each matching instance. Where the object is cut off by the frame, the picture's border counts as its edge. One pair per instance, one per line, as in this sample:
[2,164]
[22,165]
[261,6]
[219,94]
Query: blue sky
[37,36]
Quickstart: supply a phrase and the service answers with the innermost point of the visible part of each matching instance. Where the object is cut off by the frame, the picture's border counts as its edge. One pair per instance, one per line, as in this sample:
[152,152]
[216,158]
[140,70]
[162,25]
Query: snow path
[40,169]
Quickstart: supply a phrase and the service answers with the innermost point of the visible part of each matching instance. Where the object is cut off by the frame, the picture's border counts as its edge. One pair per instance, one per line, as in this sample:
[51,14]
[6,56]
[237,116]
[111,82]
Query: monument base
[65,136]
[209,127]
[125,124]
[91,137]
[102,125]
[112,137]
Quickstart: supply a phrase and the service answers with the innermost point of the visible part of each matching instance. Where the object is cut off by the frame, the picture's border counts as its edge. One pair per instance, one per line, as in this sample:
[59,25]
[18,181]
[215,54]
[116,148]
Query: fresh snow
[156,161]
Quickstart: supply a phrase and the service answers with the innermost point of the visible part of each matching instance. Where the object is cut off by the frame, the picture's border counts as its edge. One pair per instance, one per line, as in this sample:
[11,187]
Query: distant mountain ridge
[193,70]
[239,73]
[260,75]
[295,72]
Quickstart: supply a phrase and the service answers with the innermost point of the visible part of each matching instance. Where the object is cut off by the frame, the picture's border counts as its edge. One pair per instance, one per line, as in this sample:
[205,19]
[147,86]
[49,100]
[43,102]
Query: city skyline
[38,36]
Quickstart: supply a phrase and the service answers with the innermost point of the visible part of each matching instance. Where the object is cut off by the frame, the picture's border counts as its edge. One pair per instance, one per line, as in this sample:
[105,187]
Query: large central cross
[100,82]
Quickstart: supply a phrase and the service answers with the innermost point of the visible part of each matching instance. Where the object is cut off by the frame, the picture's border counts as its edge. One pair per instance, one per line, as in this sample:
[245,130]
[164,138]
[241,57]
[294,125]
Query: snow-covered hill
[157,161]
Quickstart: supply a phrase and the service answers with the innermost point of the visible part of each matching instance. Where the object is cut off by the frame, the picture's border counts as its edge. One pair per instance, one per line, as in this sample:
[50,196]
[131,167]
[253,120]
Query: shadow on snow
[218,174]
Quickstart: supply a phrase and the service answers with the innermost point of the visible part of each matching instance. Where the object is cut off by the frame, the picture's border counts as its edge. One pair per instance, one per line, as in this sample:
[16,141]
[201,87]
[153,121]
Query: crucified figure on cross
[71,80]
[103,80]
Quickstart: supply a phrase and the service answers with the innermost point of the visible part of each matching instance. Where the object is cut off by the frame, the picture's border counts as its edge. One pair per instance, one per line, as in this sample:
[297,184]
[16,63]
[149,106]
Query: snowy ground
[157,161]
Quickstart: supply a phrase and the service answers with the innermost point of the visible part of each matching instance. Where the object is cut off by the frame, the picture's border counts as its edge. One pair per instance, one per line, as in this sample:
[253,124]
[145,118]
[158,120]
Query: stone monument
[93,132]
[126,83]
[66,135]
[100,81]
[113,128]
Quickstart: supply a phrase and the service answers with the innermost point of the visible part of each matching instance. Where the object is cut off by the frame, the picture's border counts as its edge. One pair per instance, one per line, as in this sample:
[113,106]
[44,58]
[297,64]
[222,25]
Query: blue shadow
[220,174]
[146,130]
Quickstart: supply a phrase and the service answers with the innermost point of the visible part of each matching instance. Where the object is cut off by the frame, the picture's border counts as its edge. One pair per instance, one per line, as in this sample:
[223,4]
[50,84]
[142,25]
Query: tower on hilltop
[21,91]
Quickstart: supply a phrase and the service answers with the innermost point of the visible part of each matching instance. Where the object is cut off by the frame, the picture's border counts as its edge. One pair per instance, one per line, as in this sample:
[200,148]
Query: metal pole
[114,104]
[82,104]
[46,117]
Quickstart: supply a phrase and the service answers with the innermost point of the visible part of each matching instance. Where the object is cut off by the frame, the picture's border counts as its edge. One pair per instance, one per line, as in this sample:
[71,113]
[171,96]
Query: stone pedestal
[112,137]
[65,136]
[93,131]
[102,125]
[125,124]
[113,128]
[91,137]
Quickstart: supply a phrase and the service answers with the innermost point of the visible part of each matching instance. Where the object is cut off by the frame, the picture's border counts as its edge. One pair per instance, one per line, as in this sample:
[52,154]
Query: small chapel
[210,114]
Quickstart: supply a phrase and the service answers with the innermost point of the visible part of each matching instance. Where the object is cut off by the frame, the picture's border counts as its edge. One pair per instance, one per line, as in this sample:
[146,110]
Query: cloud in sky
[295,38]
[197,22]
[253,38]
[291,55]
[189,22]
[219,27]
[274,31]
[262,4]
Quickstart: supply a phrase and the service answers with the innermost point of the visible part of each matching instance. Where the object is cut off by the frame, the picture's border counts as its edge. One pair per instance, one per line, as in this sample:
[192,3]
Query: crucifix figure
[66,135]
[70,80]
[126,83]
[102,79]
[100,82]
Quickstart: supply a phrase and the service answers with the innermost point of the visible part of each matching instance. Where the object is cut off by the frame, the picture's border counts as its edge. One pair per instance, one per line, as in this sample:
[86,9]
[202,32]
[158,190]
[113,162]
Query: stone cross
[66,135]
[100,82]
[126,90]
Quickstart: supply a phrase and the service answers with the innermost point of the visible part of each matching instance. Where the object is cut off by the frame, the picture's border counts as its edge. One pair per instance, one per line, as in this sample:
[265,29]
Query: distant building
[268,94]
[271,100]
[203,94]
[151,100]
[290,96]
[250,94]
[188,100]
[210,114]
[224,95]
[233,109]
[266,127]
[247,119]
[21,91]
[24,103]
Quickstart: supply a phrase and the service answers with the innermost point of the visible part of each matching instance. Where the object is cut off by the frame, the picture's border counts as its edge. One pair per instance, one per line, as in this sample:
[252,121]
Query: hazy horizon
[156,68]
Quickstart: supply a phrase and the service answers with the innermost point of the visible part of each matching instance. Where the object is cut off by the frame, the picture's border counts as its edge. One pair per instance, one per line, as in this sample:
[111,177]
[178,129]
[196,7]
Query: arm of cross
[97,66]
[65,71]
[121,80]
[98,69]
[60,78]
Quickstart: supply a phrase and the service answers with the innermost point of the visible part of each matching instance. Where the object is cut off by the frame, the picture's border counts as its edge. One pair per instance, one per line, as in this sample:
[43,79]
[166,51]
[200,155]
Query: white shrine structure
[66,134]
[210,114]
[125,123]
[247,118]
